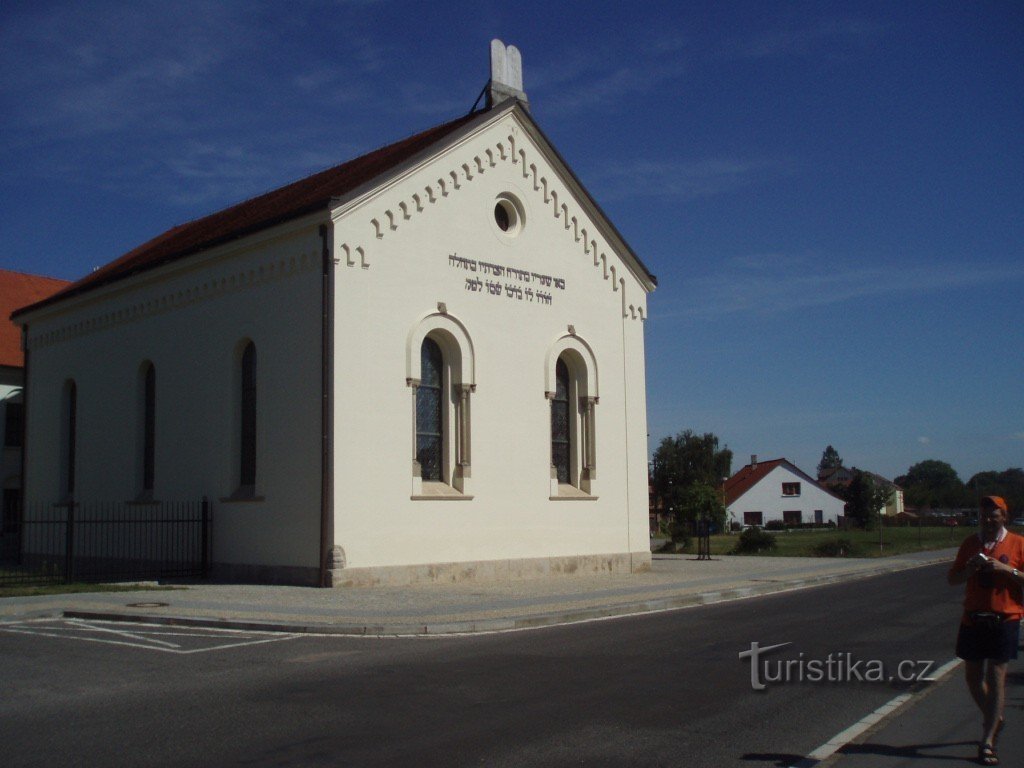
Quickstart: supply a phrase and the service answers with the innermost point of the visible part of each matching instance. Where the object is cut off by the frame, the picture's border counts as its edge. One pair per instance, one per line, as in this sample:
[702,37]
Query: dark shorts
[998,643]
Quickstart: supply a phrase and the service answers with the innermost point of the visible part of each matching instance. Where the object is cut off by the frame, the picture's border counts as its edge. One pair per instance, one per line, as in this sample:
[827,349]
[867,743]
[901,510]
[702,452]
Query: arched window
[247,446]
[571,388]
[69,440]
[440,372]
[561,443]
[429,412]
[148,442]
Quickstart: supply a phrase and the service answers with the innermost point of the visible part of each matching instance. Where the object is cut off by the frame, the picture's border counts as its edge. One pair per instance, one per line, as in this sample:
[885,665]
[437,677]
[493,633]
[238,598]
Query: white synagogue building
[424,364]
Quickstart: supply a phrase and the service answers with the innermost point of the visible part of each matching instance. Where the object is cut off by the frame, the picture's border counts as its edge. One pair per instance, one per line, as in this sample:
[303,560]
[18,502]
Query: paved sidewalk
[675,581]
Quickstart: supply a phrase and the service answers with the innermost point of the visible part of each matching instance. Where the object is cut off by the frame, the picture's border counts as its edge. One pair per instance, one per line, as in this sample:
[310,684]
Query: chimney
[753,460]
[506,75]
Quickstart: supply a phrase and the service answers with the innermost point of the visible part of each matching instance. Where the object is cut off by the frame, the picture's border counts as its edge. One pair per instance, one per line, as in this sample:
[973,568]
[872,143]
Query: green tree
[1009,484]
[865,496]
[932,483]
[830,459]
[686,474]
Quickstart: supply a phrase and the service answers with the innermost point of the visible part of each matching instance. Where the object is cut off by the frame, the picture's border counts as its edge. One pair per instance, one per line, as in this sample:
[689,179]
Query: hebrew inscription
[517,284]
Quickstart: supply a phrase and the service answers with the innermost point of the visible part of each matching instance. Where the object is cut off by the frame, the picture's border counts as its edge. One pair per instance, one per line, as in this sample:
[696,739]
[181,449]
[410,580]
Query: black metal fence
[44,544]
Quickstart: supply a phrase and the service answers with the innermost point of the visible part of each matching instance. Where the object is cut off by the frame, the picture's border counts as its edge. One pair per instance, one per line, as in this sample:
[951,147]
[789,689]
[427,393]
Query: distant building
[778,490]
[424,364]
[837,478]
[16,290]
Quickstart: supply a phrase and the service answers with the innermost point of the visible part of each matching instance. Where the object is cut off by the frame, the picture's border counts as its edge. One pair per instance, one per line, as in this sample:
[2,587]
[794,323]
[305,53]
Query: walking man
[991,564]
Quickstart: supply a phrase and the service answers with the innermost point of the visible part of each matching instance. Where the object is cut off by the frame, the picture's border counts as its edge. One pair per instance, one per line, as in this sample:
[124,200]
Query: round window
[508,214]
[501,217]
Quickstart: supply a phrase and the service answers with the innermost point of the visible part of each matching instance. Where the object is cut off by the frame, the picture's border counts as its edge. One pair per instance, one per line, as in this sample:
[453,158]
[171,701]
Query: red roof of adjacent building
[16,291]
[288,202]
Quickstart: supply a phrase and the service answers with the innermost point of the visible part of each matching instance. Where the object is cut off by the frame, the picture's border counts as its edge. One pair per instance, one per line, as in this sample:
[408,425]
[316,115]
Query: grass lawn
[62,589]
[896,541]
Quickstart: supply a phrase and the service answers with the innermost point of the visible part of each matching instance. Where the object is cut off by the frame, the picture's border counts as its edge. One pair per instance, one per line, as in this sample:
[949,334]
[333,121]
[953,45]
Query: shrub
[680,533]
[754,540]
[775,525]
[840,547]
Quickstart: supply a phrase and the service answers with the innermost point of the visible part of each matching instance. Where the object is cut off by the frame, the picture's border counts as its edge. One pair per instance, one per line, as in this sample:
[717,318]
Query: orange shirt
[1004,596]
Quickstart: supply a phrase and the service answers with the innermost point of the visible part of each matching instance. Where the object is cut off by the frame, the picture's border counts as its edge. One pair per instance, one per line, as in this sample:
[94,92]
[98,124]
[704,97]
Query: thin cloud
[821,37]
[766,289]
[685,179]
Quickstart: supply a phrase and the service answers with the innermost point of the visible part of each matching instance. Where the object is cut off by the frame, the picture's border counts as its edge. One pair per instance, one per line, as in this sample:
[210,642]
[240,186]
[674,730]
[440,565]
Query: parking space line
[142,637]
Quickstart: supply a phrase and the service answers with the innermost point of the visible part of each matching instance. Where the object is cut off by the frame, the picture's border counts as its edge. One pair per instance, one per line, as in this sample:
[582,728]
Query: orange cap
[996,501]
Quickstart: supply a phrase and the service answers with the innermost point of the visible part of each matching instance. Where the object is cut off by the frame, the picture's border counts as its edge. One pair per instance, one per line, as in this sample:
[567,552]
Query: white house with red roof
[17,290]
[424,364]
[778,490]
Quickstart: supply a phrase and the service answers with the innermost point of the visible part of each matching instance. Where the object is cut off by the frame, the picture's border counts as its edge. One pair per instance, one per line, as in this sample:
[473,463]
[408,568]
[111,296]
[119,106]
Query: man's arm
[962,570]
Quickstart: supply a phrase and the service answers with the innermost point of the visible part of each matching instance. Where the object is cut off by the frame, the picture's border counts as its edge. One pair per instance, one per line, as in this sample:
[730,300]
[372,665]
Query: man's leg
[974,671]
[995,698]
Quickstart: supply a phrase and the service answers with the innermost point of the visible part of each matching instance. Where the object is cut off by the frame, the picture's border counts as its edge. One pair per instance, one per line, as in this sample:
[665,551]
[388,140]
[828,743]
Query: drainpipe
[326,401]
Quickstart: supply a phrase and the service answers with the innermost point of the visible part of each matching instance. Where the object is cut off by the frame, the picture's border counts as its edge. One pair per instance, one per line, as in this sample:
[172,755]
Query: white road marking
[843,738]
[78,629]
[94,627]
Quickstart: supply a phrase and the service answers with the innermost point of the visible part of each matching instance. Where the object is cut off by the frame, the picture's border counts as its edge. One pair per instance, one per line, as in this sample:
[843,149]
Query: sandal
[987,755]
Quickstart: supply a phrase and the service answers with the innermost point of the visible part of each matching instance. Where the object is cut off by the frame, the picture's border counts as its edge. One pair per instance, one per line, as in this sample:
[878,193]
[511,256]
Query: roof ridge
[267,209]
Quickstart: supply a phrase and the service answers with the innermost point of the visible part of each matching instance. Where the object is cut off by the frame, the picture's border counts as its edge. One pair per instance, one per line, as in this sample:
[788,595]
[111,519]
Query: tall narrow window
[561,447]
[69,443]
[247,452]
[149,428]
[429,413]
[14,417]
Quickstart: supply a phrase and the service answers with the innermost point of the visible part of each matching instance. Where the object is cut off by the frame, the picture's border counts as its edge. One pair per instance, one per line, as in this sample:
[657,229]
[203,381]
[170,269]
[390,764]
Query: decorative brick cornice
[461,174]
[122,311]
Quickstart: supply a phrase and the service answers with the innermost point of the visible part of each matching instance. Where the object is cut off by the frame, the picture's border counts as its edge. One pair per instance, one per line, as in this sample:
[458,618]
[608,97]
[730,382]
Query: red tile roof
[751,475]
[289,202]
[747,478]
[16,291]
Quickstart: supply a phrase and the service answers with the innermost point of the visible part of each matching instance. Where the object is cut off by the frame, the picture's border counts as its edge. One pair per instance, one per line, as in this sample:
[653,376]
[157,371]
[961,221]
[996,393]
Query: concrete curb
[504,624]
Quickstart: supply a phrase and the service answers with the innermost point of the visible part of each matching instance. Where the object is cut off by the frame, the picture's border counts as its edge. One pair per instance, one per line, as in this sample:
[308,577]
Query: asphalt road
[663,689]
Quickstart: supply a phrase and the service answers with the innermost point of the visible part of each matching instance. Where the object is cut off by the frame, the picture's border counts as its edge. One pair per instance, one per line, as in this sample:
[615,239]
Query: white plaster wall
[386,284]
[189,320]
[767,497]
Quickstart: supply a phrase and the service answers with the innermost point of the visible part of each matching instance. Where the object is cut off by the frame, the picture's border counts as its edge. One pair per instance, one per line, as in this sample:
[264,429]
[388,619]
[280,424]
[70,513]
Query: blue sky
[831,194]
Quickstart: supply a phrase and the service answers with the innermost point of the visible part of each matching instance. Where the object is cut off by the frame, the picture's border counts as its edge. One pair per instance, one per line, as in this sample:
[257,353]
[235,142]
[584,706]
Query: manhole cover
[147,605]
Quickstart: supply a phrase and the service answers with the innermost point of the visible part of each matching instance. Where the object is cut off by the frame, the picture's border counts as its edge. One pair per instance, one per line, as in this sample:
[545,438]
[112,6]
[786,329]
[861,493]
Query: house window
[791,489]
[14,417]
[753,518]
[792,517]
[247,446]
[148,427]
[819,516]
[69,440]
[430,443]
[561,443]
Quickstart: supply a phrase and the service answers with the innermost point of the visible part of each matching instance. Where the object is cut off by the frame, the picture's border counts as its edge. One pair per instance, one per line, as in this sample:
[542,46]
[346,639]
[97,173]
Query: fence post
[69,544]
[206,537]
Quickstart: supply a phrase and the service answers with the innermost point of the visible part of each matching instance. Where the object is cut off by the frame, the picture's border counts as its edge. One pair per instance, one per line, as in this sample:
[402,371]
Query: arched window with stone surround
[440,371]
[571,389]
